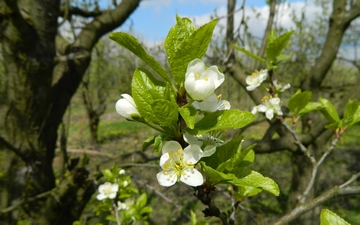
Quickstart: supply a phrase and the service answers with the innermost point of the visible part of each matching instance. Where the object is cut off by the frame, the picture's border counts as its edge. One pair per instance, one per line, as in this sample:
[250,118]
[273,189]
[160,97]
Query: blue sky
[153,19]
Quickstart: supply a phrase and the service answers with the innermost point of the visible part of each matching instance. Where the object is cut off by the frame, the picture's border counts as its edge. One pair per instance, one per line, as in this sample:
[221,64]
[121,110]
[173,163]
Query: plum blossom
[255,79]
[279,87]
[178,165]
[212,103]
[107,190]
[126,107]
[201,82]
[122,172]
[210,140]
[269,107]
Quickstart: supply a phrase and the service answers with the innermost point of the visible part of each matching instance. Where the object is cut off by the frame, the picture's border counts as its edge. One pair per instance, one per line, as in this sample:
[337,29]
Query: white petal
[200,89]
[262,108]
[192,177]
[192,153]
[196,66]
[171,146]
[214,74]
[112,195]
[125,108]
[114,187]
[165,157]
[100,196]
[209,104]
[166,180]
[254,110]
[250,88]
[209,150]
[269,114]
[274,101]
[191,140]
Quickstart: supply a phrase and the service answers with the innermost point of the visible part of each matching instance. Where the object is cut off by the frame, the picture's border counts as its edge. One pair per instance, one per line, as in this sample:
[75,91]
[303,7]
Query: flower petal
[165,157]
[166,180]
[269,114]
[192,177]
[192,153]
[171,146]
[196,66]
[213,73]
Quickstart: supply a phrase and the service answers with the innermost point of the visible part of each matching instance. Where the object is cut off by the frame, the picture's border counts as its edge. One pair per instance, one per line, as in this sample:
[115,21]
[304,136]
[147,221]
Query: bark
[41,86]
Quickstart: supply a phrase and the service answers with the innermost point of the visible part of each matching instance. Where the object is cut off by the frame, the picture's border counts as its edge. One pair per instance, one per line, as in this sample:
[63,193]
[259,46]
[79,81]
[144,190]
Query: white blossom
[209,141]
[269,107]
[178,165]
[122,172]
[107,190]
[126,107]
[201,82]
[279,87]
[255,79]
[212,103]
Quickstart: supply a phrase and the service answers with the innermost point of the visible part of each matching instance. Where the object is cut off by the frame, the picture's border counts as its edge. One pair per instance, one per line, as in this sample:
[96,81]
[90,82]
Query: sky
[153,19]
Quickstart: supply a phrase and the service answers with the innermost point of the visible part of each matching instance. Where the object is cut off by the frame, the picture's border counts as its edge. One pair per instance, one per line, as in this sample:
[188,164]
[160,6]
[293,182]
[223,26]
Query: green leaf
[146,210]
[311,106]
[214,176]
[132,44]
[141,201]
[328,217]
[249,178]
[350,110]
[183,28]
[159,141]
[252,55]
[272,36]
[222,120]
[276,45]
[194,46]
[283,57]
[193,219]
[189,115]
[149,94]
[329,111]
[224,153]
[356,117]
[166,112]
[247,191]
[148,142]
[298,101]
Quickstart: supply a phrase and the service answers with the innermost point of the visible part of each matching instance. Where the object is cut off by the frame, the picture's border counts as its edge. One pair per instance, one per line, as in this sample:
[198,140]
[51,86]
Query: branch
[161,195]
[16,150]
[342,190]
[69,11]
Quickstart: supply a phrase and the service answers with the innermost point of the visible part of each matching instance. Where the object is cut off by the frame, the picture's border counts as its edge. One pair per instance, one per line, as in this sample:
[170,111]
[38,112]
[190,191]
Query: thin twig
[161,195]
[116,214]
[341,190]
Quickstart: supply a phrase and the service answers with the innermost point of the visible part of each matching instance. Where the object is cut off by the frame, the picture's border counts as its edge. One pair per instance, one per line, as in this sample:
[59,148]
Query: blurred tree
[316,49]
[43,70]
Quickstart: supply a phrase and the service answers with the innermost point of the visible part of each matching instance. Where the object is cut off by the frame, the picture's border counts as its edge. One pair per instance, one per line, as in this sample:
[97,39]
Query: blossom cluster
[270,104]
[178,163]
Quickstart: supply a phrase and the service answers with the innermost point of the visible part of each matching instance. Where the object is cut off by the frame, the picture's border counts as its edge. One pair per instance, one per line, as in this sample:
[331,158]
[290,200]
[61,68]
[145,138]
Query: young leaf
[148,142]
[298,101]
[183,28]
[159,140]
[166,112]
[275,46]
[329,111]
[132,44]
[224,153]
[246,177]
[149,94]
[311,106]
[350,110]
[328,217]
[194,46]
[252,55]
[189,115]
[222,120]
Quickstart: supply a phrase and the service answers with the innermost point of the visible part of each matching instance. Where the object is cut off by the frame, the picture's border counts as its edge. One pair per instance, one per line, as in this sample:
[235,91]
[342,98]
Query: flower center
[197,76]
[177,164]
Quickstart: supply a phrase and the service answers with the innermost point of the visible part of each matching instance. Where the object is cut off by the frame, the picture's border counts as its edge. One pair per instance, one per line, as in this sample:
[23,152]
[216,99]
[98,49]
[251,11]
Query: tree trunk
[40,86]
